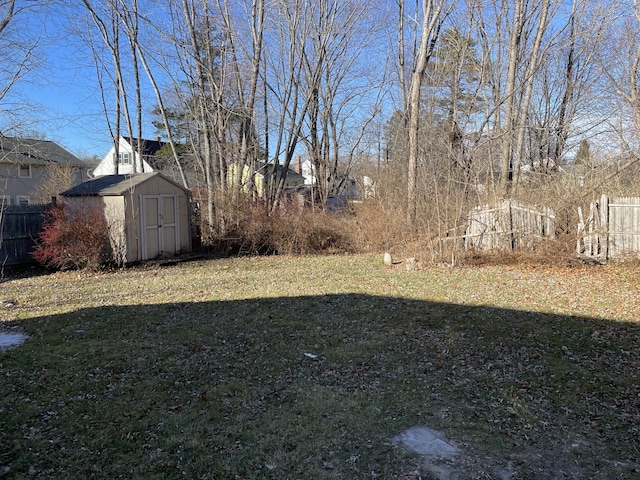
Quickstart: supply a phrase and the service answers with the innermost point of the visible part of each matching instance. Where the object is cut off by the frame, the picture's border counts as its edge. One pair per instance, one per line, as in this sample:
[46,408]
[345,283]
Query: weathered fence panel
[508,225]
[19,226]
[611,230]
[624,227]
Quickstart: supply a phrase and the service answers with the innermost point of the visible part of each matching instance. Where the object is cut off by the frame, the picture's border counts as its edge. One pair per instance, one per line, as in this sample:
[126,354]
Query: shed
[147,213]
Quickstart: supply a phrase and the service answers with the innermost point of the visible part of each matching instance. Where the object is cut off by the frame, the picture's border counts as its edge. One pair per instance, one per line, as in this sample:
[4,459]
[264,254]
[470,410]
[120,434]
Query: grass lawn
[305,368]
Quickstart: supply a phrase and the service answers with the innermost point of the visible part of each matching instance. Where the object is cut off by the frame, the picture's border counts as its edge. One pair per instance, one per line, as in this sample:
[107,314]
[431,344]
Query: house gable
[128,157]
[308,172]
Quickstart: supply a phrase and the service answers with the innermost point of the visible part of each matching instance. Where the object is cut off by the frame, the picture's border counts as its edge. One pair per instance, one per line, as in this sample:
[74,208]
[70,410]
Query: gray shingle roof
[107,185]
[149,147]
[27,151]
[291,174]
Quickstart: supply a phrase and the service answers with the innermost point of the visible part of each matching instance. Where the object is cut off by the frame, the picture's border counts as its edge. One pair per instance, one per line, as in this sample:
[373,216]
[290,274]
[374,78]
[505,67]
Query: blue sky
[60,99]
[63,93]
[68,111]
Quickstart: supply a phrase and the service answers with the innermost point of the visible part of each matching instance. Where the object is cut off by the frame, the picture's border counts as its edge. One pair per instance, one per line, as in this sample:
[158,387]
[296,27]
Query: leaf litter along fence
[19,226]
[611,230]
[508,225]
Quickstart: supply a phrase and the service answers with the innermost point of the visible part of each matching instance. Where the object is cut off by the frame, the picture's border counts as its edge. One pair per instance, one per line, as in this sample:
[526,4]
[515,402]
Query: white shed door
[159,222]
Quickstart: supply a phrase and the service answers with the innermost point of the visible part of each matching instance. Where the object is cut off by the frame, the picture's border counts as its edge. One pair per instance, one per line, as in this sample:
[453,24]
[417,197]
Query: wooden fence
[508,225]
[611,230]
[19,226]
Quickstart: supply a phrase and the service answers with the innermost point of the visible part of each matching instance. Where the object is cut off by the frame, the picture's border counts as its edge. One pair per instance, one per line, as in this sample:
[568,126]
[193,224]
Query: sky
[59,99]
[68,111]
[63,90]
[62,94]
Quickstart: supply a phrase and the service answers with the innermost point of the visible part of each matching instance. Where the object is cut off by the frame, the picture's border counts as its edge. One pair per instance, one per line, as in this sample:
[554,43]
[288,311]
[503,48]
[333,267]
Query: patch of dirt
[566,462]
[571,458]
[10,340]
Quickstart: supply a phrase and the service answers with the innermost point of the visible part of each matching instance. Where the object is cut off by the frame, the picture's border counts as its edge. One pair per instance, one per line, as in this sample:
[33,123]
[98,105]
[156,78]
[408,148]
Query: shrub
[73,237]
[290,231]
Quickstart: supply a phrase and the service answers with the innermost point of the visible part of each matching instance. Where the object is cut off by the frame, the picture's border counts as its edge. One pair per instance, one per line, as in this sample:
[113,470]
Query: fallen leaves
[234,366]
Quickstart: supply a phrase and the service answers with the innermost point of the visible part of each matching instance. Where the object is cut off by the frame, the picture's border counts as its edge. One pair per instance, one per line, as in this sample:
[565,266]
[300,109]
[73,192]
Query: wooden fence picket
[19,227]
[612,229]
[508,225]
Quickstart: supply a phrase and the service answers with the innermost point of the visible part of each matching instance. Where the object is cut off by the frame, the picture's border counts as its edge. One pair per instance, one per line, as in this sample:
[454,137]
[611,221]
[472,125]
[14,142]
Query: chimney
[298,165]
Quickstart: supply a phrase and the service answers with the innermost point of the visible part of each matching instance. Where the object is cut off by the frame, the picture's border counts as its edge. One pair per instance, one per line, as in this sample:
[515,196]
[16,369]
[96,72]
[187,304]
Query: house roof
[149,147]
[27,151]
[291,174]
[112,185]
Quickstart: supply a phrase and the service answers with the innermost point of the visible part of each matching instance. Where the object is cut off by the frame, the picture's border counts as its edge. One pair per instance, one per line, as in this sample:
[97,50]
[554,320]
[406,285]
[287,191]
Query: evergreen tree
[455,98]
[583,156]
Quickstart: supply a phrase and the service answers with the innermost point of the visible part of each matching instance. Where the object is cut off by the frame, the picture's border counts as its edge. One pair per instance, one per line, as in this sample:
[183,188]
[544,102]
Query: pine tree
[583,156]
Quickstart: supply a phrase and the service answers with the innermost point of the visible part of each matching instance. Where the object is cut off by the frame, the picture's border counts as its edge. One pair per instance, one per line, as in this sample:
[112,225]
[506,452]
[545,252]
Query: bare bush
[289,231]
[73,237]
[58,179]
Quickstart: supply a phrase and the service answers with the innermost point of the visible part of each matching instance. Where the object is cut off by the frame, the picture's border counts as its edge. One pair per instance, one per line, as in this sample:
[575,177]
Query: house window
[23,199]
[5,200]
[24,171]
[123,158]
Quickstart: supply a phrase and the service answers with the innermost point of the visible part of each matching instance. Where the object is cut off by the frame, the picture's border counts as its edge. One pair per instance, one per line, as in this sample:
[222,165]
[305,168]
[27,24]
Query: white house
[306,169]
[128,157]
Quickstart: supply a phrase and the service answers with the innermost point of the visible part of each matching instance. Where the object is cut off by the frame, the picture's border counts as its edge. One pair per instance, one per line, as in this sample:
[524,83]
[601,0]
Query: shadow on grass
[315,387]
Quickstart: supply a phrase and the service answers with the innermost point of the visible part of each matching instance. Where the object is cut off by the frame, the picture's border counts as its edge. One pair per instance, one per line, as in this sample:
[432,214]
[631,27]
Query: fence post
[604,226]
[580,241]
[512,235]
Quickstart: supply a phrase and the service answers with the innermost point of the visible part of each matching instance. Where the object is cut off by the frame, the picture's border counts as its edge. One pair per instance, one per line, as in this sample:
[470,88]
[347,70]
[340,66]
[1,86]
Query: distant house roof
[150,152]
[291,174]
[27,151]
[112,185]
[149,147]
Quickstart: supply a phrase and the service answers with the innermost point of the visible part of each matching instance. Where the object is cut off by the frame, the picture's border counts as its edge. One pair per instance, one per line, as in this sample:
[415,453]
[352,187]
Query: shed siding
[159,186]
[124,214]
[120,233]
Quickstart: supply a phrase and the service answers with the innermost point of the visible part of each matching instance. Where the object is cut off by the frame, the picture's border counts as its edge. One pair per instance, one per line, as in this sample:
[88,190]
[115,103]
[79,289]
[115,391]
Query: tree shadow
[315,387]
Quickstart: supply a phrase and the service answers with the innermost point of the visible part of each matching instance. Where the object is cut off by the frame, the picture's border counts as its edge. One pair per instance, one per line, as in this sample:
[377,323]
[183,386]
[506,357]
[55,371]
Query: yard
[305,368]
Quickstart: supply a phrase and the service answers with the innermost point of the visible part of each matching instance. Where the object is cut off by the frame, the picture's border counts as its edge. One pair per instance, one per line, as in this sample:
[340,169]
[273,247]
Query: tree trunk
[432,18]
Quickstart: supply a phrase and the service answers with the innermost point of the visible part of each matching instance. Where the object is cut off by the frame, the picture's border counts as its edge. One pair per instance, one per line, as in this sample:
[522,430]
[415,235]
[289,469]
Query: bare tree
[164,114]
[562,103]
[433,16]
[632,93]
[516,41]
[107,24]
[345,98]
[129,18]
[196,64]
[246,106]
[288,95]
[21,57]
[620,67]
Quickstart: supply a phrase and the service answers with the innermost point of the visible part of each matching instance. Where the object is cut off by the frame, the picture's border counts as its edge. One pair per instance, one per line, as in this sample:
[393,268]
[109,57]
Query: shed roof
[113,185]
